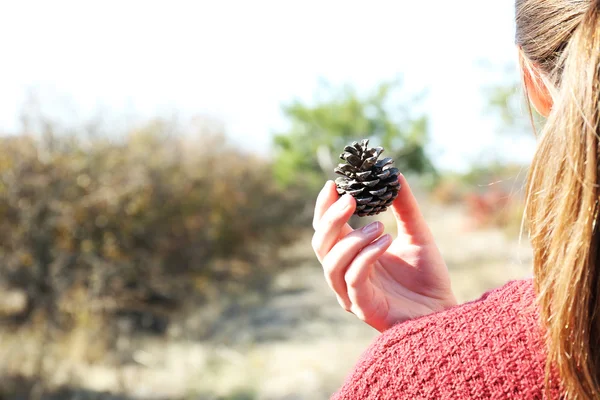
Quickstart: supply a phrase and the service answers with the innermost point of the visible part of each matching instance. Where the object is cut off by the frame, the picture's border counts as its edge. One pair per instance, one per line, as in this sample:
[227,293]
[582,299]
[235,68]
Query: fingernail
[371,228]
[383,241]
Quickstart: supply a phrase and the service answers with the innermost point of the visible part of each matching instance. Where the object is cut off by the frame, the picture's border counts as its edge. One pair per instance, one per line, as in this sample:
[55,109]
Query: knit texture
[491,348]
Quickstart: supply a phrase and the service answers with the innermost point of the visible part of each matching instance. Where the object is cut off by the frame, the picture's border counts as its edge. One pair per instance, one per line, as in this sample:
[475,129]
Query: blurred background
[159,163]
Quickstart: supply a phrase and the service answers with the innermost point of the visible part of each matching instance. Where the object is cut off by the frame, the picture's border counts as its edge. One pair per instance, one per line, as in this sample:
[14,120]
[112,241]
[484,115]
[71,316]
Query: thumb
[409,219]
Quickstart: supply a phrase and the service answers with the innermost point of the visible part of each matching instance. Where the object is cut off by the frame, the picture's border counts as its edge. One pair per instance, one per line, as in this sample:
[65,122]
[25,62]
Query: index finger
[409,219]
[326,198]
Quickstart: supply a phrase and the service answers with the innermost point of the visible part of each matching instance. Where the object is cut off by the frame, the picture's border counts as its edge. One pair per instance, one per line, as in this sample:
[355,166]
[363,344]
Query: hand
[380,280]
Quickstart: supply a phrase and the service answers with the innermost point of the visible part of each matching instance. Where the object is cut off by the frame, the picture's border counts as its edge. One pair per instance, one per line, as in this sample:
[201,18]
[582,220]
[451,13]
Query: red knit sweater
[491,348]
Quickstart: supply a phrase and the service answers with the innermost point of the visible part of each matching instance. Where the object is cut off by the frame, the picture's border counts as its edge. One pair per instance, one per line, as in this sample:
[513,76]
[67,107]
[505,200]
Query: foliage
[146,223]
[492,195]
[495,208]
[318,132]
[509,102]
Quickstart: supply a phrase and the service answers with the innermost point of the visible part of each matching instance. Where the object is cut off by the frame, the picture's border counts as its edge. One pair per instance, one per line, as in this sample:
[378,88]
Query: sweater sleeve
[489,348]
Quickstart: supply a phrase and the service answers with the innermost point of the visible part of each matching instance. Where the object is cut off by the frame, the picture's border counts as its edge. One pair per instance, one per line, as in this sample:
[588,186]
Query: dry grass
[297,345]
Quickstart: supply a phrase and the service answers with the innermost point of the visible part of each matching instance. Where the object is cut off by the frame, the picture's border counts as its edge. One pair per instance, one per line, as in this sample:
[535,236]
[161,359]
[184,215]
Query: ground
[298,344]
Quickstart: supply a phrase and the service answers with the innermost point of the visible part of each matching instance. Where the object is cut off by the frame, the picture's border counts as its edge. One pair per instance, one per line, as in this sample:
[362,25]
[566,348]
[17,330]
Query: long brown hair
[561,39]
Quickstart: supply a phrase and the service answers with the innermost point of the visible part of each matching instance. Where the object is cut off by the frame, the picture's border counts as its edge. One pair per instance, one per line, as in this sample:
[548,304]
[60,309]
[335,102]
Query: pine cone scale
[351,150]
[387,196]
[364,175]
[384,162]
[371,183]
[374,183]
[364,200]
[368,163]
[384,174]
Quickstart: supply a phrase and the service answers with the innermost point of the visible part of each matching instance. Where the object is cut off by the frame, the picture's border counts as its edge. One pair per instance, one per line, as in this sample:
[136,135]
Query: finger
[337,261]
[359,287]
[324,201]
[409,219]
[327,197]
[330,227]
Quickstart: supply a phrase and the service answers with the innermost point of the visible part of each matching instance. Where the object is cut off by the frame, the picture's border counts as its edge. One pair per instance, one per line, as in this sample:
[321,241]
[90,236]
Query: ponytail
[562,213]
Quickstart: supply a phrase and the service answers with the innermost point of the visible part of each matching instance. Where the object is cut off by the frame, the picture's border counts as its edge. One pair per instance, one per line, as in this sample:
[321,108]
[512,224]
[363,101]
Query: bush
[141,224]
[493,195]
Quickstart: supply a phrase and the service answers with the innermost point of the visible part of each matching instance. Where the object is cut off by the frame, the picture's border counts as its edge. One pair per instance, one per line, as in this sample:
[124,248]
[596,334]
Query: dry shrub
[495,208]
[140,224]
[492,195]
[448,192]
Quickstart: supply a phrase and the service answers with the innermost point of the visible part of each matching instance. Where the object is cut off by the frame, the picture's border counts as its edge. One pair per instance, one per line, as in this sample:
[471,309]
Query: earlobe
[538,94]
[536,89]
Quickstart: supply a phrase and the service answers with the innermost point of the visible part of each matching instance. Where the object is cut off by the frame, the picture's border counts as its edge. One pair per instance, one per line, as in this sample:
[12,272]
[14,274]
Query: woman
[530,339]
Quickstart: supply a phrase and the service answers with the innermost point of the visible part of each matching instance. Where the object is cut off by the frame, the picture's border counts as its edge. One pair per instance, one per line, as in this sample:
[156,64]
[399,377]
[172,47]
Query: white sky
[240,60]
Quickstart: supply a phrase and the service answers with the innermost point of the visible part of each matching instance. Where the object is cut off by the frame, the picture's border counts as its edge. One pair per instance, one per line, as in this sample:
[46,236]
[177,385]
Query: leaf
[343,118]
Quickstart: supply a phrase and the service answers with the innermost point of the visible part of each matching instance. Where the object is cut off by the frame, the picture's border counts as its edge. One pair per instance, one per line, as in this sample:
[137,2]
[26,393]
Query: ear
[536,88]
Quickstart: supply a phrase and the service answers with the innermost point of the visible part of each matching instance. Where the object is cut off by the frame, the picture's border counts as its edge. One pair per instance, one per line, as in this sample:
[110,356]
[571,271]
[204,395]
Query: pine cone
[374,184]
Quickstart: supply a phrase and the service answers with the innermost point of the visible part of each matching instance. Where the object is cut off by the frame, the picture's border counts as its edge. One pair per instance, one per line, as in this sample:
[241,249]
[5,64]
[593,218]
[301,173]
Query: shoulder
[488,348]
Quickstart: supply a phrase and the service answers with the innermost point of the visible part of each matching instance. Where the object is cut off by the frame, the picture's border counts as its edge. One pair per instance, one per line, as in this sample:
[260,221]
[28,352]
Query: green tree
[509,103]
[308,151]
[514,118]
